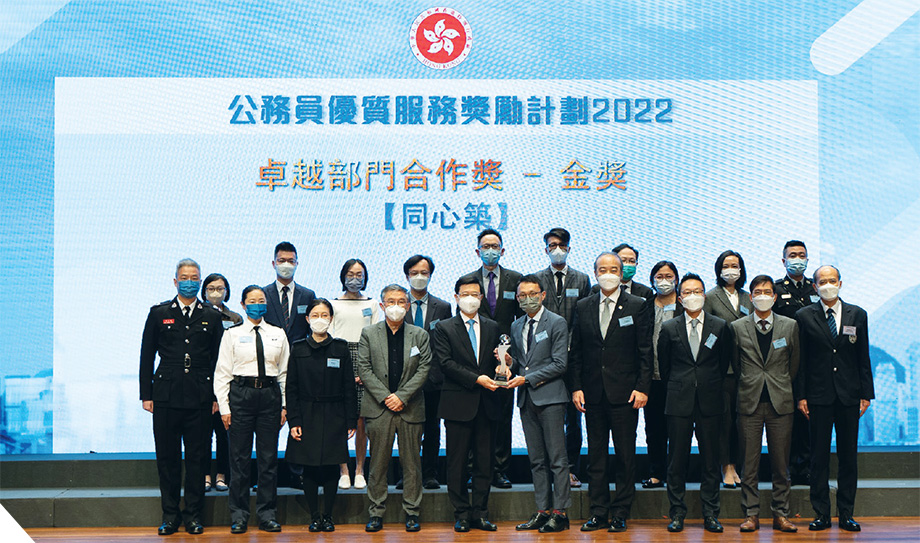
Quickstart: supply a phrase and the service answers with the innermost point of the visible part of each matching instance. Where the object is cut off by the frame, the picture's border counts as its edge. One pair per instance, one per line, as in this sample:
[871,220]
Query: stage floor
[887,529]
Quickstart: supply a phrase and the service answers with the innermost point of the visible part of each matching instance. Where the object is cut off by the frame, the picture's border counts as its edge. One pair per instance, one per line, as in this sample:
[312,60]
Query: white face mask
[762,303]
[285,270]
[828,292]
[216,298]
[665,287]
[469,305]
[730,275]
[419,282]
[557,256]
[608,281]
[395,313]
[693,302]
[319,325]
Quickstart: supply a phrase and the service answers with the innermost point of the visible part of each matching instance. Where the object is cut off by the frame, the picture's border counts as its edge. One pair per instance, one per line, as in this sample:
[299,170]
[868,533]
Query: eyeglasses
[553,246]
[216,290]
[524,295]
[358,275]
[488,246]
[699,292]
[419,273]
[664,278]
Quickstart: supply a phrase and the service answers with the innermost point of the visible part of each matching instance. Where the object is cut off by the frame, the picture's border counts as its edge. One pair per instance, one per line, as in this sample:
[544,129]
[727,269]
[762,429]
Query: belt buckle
[257,383]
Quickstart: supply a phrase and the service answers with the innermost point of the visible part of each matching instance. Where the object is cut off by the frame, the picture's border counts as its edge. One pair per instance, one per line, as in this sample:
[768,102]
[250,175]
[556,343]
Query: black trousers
[464,439]
[621,420]
[656,431]
[845,419]
[680,434]
[503,431]
[222,445]
[573,437]
[254,411]
[173,428]
[729,439]
[431,438]
[800,456]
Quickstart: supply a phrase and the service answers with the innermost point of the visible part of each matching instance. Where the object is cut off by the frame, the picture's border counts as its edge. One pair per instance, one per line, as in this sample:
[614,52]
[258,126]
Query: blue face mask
[490,256]
[796,266]
[255,311]
[189,288]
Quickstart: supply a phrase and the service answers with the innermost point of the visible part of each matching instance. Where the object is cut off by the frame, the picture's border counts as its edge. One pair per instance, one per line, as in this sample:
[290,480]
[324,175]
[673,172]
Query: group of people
[788,356]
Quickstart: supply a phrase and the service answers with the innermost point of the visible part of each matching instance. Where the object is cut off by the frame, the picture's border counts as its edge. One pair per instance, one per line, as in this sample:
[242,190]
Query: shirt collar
[769,319]
[485,274]
[538,315]
[614,296]
[279,285]
[836,307]
[466,320]
[565,270]
[690,319]
[423,299]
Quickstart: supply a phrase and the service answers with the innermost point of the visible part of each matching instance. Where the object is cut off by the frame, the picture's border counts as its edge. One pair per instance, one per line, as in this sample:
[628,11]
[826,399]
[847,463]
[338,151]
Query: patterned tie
[763,324]
[559,292]
[285,304]
[832,323]
[260,353]
[530,334]
[472,333]
[694,338]
[419,318]
[605,318]
[490,294]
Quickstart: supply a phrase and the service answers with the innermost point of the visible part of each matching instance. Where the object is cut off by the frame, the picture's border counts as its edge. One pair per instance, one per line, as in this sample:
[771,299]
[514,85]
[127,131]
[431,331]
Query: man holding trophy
[463,346]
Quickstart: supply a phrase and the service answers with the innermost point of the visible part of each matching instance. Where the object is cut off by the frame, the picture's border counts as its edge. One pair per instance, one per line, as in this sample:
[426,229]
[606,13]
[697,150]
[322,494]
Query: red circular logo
[440,38]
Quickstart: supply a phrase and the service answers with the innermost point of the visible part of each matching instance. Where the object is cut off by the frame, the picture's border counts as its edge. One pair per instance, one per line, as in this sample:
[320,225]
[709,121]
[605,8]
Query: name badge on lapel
[711,340]
[366,312]
[245,339]
[541,336]
[507,294]
[571,293]
[786,296]
[301,310]
[745,311]
[779,343]
[333,363]
[414,351]
[626,321]
[434,322]
[815,298]
[850,332]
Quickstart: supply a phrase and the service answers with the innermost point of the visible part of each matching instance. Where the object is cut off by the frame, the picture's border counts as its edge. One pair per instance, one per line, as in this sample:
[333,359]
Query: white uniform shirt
[237,356]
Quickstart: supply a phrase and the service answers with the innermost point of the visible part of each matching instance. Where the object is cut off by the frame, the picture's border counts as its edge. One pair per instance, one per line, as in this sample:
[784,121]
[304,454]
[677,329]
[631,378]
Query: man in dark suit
[629,255]
[186,334]
[609,373]
[287,301]
[539,356]
[694,352]
[766,359]
[834,388]
[564,287]
[426,312]
[463,347]
[499,304]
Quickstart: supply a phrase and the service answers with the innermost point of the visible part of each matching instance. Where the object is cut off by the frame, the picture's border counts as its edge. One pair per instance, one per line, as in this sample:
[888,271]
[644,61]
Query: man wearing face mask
[427,310]
[463,347]
[630,258]
[394,358]
[766,359]
[186,334]
[564,287]
[609,373]
[287,301]
[499,304]
[834,388]
[694,352]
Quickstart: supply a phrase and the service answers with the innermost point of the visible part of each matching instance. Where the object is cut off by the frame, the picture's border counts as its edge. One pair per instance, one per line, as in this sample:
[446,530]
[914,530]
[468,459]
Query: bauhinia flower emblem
[441,38]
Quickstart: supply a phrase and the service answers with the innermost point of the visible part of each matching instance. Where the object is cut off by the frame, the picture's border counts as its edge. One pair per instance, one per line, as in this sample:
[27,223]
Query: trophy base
[501,381]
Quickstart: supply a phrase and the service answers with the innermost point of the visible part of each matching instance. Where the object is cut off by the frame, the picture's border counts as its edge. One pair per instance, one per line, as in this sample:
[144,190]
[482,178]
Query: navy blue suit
[296,327]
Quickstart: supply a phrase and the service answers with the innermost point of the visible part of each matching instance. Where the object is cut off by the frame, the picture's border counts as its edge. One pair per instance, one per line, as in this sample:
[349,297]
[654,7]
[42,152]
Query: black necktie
[187,310]
[530,334]
[832,323]
[285,305]
[559,275]
[260,353]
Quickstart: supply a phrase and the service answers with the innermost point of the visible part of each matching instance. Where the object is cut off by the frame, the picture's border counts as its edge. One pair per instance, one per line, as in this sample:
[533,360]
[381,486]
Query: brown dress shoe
[782,524]
[751,524]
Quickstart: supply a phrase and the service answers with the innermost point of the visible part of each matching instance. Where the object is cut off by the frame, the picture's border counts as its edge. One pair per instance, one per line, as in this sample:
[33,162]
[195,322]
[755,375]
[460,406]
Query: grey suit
[382,424]
[542,400]
[774,371]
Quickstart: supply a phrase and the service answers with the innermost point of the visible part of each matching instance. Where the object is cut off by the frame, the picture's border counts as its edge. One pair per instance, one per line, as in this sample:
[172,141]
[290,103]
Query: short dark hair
[793,243]
[470,279]
[345,267]
[285,246]
[658,266]
[531,278]
[718,267]
[321,301]
[690,277]
[489,232]
[814,276]
[415,259]
[249,289]
[622,246]
[210,279]
[761,279]
[560,233]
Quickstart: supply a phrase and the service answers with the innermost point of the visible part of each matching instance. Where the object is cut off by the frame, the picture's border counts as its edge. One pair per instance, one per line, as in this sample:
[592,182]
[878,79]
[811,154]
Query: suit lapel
[750,328]
[484,308]
[462,331]
[821,319]
[614,315]
[846,319]
[684,338]
[722,296]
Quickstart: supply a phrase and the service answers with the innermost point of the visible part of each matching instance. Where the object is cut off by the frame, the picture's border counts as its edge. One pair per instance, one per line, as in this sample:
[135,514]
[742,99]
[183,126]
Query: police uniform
[182,392]
[790,298]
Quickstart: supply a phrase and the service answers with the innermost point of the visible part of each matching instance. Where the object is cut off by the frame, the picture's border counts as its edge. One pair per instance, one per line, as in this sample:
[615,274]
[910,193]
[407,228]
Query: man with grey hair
[186,334]
[393,362]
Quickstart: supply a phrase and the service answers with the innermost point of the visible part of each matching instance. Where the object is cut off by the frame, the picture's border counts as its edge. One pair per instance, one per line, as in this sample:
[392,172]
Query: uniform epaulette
[161,303]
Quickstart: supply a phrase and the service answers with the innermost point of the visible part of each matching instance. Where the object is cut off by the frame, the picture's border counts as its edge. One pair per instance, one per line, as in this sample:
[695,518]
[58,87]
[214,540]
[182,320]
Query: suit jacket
[297,327]
[834,368]
[506,306]
[438,310]
[460,395]
[576,286]
[636,289]
[544,365]
[690,381]
[718,304]
[373,365]
[618,364]
[777,372]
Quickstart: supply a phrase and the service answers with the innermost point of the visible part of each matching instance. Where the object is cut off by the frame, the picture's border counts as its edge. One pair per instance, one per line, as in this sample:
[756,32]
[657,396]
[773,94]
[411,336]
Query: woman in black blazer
[322,411]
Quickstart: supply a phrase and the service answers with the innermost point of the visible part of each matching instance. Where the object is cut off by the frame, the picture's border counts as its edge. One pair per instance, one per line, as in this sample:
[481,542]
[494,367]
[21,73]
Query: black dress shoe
[412,524]
[713,525]
[399,484]
[595,523]
[168,528]
[729,485]
[238,527]
[316,525]
[483,524]
[194,527]
[462,526]
[676,524]
[556,523]
[431,484]
[270,526]
[648,483]
[618,524]
[849,524]
[535,522]
[820,523]
[375,524]
[328,525]
[500,481]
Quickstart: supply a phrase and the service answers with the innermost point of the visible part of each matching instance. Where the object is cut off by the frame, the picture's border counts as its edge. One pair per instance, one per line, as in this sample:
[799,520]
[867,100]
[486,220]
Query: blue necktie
[832,323]
[472,332]
[419,319]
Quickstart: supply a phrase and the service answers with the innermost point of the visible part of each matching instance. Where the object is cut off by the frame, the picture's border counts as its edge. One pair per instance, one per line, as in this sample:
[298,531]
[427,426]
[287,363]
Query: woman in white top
[353,311]
[249,385]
